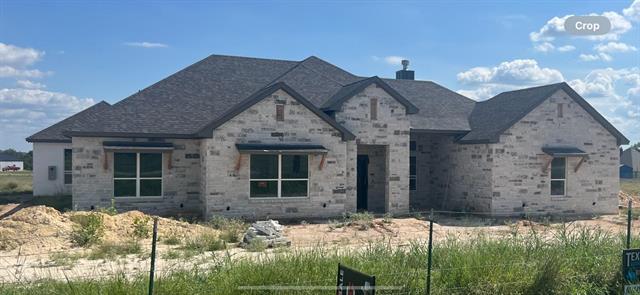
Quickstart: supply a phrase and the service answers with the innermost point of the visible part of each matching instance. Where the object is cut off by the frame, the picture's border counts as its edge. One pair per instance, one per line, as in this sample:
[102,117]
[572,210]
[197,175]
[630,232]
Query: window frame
[138,178]
[279,178]
[563,180]
[68,172]
[413,147]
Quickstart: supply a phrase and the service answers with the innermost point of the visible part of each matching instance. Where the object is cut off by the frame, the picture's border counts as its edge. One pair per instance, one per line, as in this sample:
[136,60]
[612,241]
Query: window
[558,176]
[374,108]
[68,167]
[279,112]
[412,165]
[559,110]
[137,174]
[279,176]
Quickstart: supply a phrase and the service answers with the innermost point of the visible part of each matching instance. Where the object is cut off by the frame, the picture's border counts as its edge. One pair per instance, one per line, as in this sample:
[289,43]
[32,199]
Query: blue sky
[58,57]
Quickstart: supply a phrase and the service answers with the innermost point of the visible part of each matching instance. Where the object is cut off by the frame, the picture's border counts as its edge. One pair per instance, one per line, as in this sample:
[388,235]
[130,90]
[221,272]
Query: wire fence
[153,261]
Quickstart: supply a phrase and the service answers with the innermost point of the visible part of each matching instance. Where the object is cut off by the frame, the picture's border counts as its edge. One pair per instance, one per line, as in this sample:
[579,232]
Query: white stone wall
[93,184]
[518,160]
[390,129]
[227,189]
[44,155]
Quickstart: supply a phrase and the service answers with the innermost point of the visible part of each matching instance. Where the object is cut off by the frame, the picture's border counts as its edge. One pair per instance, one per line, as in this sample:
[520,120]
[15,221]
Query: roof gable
[490,118]
[350,90]
[55,132]
[260,95]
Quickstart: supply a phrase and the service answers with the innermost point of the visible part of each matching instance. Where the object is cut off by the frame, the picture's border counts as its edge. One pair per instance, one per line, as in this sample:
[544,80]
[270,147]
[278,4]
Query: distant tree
[26,158]
[636,145]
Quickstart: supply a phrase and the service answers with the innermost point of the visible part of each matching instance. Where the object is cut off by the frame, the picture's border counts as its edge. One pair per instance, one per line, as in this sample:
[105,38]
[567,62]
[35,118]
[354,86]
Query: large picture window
[279,176]
[558,176]
[68,167]
[137,174]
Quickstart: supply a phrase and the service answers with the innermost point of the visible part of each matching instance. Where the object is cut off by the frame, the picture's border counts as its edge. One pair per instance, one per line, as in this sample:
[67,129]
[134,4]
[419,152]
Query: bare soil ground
[32,237]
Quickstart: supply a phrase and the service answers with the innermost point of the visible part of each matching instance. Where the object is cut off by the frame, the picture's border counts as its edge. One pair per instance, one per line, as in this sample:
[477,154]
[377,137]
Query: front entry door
[363,182]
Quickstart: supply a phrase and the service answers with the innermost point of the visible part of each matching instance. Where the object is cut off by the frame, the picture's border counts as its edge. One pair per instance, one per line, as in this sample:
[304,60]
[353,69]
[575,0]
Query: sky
[59,57]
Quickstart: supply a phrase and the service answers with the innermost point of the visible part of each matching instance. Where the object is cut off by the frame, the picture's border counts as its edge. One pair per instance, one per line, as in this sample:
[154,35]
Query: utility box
[52,172]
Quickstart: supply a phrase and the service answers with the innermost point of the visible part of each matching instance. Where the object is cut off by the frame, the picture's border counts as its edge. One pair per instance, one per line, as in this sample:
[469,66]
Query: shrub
[205,242]
[110,210]
[171,239]
[141,227]
[110,250]
[387,218]
[88,230]
[231,228]
[64,258]
[10,186]
[256,245]
[362,220]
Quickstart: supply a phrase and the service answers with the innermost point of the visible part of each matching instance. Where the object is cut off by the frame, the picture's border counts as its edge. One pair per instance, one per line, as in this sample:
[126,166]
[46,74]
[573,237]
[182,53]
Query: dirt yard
[36,242]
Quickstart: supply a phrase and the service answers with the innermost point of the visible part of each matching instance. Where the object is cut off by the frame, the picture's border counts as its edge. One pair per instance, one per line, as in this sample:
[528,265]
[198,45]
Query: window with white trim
[68,167]
[558,176]
[137,174]
[413,168]
[279,176]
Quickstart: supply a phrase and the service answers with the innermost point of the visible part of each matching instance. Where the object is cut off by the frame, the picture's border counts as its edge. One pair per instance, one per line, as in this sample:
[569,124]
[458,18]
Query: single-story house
[258,138]
[631,158]
[7,161]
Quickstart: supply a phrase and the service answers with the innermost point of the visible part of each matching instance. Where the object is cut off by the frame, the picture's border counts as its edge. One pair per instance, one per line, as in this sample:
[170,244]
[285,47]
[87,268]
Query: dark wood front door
[363,182]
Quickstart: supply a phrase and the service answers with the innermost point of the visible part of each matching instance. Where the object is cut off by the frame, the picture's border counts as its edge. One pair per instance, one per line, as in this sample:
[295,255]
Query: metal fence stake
[153,255]
[629,224]
[429,256]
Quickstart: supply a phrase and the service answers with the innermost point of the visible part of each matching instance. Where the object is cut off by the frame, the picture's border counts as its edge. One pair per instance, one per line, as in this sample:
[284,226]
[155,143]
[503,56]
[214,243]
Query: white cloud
[553,29]
[30,84]
[519,71]
[393,60]
[18,56]
[566,48]
[11,72]
[26,111]
[509,75]
[612,47]
[544,47]
[146,44]
[613,92]
[593,57]
[633,11]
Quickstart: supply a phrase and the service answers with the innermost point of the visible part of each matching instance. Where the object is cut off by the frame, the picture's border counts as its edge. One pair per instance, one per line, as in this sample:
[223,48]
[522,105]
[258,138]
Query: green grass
[630,186]
[12,183]
[578,261]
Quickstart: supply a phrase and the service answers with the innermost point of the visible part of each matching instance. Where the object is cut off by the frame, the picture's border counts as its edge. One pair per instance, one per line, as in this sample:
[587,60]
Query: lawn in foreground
[15,182]
[577,261]
[630,186]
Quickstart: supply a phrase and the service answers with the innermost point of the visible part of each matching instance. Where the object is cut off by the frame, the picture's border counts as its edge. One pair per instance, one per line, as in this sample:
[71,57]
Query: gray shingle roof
[335,102]
[492,117]
[184,103]
[206,93]
[54,133]
[8,158]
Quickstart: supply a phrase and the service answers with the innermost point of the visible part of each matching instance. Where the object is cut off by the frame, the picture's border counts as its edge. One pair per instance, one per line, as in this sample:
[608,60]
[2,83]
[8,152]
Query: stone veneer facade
[209,176]
[390,130]
[507,178]
[93,182]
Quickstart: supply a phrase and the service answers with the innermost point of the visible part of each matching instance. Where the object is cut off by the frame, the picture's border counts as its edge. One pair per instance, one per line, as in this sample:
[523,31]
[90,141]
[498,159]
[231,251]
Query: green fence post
[429,254]
[629,224]
[153,255]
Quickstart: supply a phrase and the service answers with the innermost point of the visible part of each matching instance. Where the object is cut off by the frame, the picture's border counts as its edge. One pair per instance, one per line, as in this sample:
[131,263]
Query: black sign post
[352,282]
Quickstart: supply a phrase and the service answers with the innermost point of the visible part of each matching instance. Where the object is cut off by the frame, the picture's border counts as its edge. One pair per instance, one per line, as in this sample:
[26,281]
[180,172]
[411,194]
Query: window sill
[283,200]
[141,199]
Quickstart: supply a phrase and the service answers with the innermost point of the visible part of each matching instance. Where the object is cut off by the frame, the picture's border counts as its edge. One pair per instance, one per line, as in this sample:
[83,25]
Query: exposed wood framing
[238,163]
[105,161]
[582,159]
[547,164]
[322,162]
